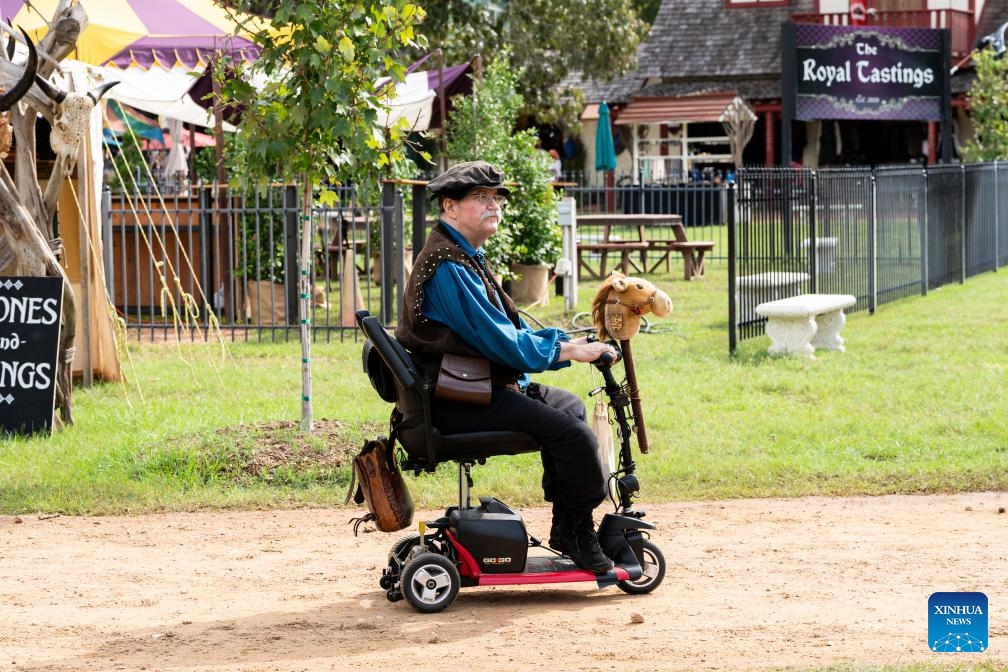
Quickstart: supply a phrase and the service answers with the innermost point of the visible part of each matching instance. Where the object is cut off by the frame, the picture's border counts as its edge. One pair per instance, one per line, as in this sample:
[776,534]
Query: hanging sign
[858,72]
[29,345]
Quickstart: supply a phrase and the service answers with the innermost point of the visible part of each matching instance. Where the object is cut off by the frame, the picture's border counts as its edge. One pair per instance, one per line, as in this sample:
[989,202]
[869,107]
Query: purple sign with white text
[858,72]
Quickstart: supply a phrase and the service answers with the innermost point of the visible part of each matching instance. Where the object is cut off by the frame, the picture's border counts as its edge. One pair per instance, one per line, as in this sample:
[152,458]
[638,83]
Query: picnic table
[692,251]
[621,234]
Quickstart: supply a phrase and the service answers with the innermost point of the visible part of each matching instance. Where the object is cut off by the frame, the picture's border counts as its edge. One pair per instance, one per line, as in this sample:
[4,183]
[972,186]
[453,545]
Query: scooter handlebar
[607,358]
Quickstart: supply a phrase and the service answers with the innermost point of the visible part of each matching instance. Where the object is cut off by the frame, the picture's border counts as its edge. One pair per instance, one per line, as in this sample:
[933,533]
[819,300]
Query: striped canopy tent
[141,33]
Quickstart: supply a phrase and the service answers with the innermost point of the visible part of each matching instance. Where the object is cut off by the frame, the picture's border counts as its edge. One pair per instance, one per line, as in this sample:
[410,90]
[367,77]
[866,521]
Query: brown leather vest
[428,339]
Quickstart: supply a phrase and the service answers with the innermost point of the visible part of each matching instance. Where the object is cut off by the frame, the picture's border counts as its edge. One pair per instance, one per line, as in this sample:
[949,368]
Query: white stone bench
[826,252]
[762,287]
[799,324]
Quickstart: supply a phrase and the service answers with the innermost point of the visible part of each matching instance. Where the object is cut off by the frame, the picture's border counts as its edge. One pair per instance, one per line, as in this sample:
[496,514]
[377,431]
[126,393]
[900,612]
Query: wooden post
[635,400]
[444,107]
[231,310]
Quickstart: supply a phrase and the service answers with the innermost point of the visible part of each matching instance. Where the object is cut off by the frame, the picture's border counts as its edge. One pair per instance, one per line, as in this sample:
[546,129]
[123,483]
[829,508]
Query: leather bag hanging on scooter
[381,486]
[464,379]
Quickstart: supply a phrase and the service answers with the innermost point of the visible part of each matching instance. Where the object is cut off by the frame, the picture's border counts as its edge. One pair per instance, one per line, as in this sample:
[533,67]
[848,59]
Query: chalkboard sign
[29,344]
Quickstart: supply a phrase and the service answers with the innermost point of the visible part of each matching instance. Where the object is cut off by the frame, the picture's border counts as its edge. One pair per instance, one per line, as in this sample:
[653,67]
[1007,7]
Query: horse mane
[598,306]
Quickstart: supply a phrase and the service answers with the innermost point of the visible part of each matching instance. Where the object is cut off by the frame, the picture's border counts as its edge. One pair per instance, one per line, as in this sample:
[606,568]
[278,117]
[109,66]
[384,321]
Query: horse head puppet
[620,302]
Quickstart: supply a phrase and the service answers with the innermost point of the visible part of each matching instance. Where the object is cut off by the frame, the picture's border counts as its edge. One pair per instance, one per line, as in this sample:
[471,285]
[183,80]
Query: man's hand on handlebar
[581,350]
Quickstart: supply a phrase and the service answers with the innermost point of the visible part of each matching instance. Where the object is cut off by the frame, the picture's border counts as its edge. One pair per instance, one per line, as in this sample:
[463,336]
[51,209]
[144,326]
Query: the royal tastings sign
[854,72]
[29,343]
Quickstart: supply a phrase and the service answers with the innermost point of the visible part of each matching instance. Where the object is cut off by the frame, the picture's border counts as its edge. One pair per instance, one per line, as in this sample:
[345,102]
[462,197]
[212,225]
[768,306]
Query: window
[749,4]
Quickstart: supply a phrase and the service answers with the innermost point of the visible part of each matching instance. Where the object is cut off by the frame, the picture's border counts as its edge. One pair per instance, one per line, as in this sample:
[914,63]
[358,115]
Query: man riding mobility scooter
[487,543]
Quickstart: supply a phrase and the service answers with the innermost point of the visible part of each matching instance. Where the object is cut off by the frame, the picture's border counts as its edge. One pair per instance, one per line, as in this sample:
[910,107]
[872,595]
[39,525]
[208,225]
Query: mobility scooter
[487,544]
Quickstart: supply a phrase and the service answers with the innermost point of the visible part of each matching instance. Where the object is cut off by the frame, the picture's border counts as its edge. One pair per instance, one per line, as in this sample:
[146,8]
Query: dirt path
[752,584]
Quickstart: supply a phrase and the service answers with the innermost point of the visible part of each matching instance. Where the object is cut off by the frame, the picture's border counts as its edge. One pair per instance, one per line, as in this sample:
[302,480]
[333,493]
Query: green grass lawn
[916,404]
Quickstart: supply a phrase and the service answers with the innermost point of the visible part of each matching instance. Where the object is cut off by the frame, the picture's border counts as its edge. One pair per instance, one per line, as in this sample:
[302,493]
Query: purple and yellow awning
[141,33]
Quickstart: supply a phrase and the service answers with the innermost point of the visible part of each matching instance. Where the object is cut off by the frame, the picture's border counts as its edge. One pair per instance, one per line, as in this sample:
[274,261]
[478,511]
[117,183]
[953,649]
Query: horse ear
[619,282]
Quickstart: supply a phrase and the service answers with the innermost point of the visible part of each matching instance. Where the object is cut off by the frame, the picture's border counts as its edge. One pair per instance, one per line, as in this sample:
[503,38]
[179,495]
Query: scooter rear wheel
[429,582]
[653,564]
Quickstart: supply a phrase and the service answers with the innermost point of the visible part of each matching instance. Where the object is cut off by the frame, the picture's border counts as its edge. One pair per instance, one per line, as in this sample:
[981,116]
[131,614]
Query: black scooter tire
[430,582]
[653,564]
[404,544]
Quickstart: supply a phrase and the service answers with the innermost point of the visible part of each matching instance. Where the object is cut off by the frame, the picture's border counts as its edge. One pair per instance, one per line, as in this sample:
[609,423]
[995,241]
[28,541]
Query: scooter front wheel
[402,545]
[429,582]
[653,564]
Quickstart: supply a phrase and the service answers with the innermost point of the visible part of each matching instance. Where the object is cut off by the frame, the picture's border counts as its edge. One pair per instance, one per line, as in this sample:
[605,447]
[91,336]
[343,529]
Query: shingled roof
[699,46]
[693,39]
[995,12]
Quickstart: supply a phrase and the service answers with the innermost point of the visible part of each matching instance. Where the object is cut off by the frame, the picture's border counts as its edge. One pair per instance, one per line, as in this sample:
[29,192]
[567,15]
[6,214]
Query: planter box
[530,286]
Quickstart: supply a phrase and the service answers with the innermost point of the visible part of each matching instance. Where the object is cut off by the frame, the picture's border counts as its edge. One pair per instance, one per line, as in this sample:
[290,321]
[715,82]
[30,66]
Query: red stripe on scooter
[568,576]
[468,566]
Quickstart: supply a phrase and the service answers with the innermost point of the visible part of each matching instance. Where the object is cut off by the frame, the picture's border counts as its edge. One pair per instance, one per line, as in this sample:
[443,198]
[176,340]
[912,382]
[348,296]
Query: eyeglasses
[485,197]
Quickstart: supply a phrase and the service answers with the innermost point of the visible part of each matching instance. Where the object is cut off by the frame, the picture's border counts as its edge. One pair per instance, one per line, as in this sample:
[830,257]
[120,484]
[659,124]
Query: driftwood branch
[28,245]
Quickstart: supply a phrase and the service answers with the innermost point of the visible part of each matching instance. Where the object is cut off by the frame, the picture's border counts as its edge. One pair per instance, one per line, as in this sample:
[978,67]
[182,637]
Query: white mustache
[490,213]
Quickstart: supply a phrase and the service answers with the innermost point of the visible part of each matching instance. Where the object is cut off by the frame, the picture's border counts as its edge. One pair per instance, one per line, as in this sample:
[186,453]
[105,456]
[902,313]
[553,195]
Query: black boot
[580,543]
[555,542]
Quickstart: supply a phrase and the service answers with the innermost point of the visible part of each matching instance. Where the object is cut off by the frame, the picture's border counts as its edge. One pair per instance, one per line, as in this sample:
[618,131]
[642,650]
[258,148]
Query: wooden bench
[692,251]
[799,324]
[604,248]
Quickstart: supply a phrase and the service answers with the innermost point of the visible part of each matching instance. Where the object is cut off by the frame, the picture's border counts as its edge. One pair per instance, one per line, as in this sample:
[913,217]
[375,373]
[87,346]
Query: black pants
[572,473]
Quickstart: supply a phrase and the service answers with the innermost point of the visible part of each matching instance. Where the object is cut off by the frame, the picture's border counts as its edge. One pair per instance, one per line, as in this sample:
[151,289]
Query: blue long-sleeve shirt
[456,296]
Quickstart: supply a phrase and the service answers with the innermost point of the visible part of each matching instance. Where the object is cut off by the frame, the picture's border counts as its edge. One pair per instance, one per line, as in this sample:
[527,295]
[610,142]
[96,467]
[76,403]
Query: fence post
[813,235]
[873,246]
[207,239]
[388,247]
[419,232]
[924,233]
[962,223]
[732,270]
[292,243]
[106,217]
[567,219]
[997,218]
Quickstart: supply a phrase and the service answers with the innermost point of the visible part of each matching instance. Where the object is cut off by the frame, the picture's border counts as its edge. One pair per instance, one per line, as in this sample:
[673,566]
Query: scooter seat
[480,445]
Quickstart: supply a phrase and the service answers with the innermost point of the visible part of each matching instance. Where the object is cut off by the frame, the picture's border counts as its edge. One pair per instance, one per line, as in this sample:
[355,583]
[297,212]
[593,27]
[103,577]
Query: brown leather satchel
[381,486]
[464,379]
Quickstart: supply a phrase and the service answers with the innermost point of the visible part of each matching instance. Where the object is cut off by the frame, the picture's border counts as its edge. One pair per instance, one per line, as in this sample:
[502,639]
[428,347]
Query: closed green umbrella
[605,152]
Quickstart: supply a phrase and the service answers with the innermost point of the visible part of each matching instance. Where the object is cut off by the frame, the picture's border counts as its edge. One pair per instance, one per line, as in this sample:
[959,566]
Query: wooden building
[701,54]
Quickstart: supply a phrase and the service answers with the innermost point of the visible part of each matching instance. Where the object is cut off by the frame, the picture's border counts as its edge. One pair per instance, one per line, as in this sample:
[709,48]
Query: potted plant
[528,241]
[531,218]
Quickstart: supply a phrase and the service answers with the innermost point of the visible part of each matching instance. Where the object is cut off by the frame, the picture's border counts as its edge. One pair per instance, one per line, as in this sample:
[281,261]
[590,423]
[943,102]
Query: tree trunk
[306,290]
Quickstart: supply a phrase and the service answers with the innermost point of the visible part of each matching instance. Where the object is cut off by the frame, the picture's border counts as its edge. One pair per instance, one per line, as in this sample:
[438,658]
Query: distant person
[556,168]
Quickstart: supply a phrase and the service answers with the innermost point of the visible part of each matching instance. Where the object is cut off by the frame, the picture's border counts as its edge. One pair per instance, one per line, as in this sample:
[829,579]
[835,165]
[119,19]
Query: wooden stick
[635,399]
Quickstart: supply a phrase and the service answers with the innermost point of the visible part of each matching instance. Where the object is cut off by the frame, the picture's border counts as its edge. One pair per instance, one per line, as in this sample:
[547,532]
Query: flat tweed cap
[459,179]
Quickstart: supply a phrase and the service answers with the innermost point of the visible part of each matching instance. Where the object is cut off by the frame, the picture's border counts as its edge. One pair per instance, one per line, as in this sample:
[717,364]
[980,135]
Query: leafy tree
[481,127]
[988,100]
[315,118]
[647,10]
[549,39]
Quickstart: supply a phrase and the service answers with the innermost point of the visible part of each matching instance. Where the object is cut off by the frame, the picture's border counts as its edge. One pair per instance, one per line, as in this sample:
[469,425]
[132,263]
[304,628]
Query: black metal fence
[190,265]
[185,265]
[879,234]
